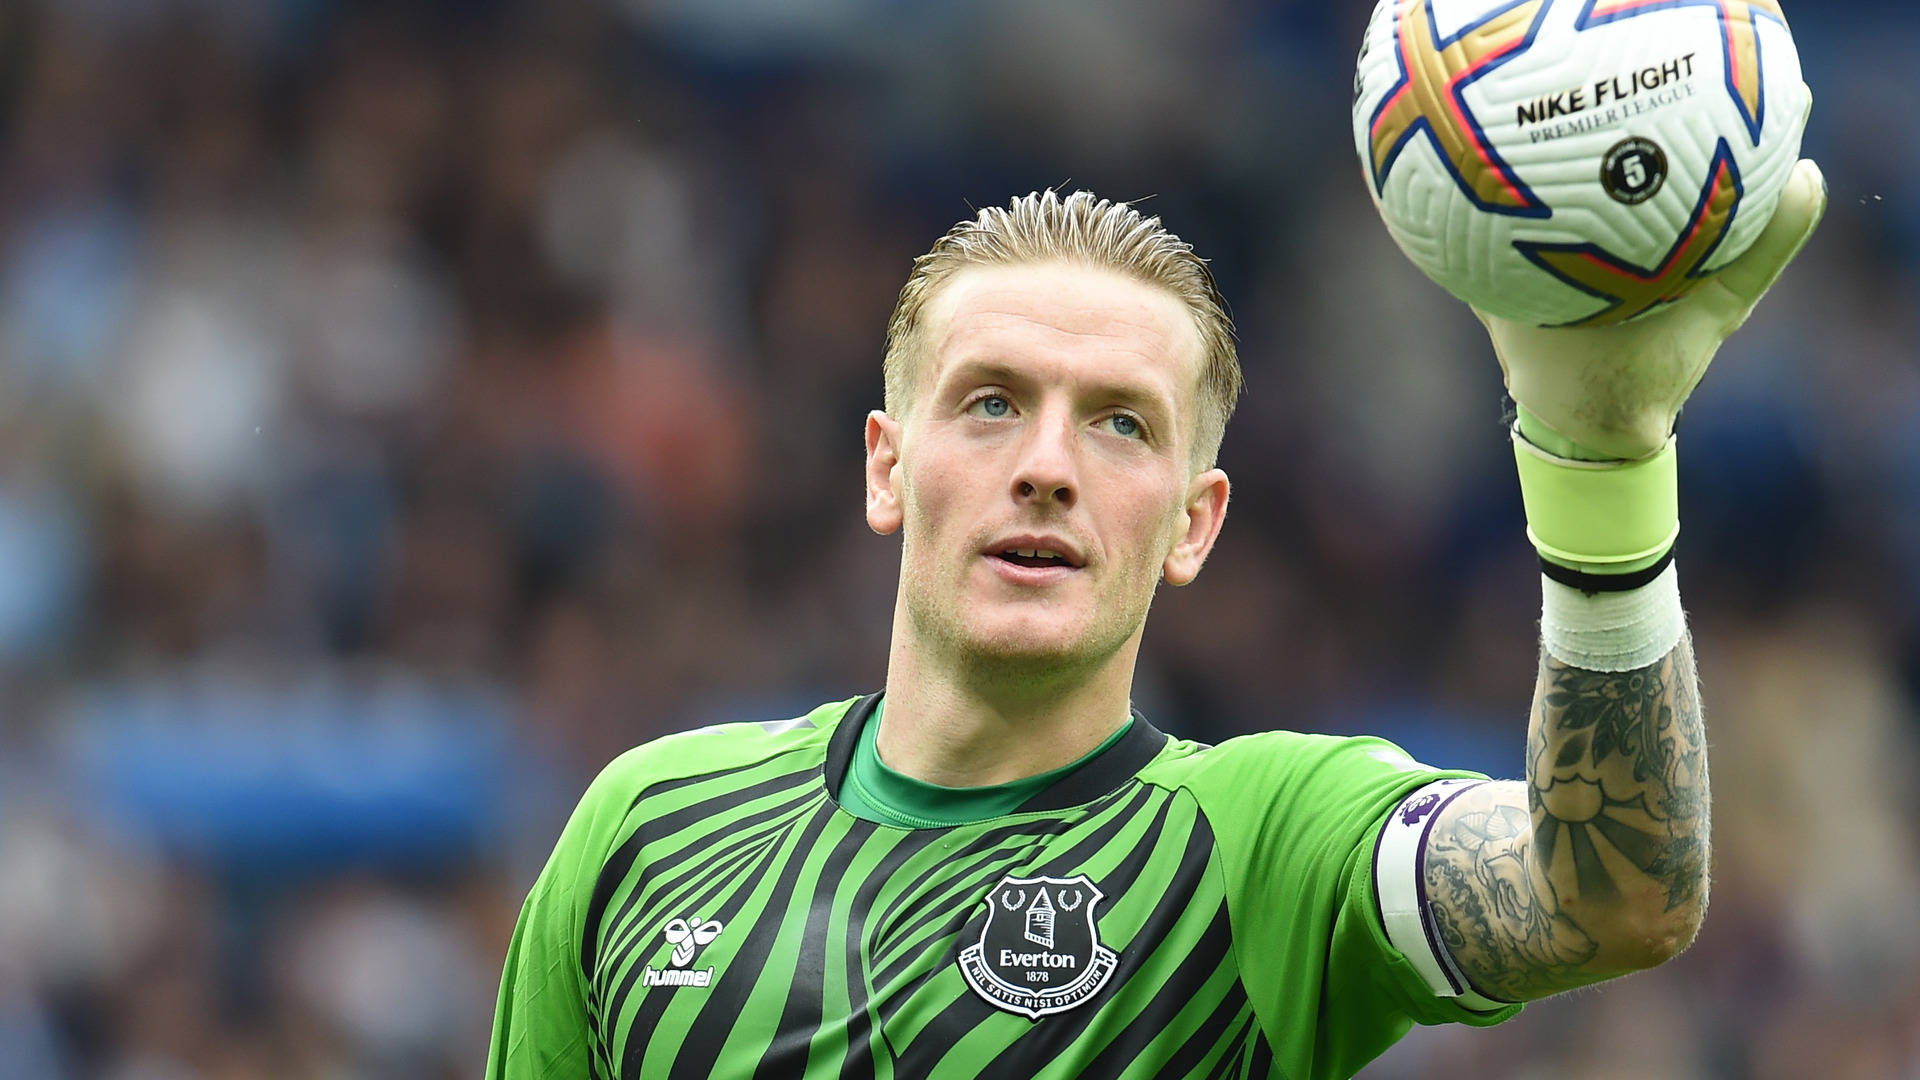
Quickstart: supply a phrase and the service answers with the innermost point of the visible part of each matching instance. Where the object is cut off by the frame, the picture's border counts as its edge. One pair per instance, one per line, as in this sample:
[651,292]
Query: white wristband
[1616,631]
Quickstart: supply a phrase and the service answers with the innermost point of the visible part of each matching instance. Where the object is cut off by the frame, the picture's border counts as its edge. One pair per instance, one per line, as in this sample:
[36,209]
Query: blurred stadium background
[405,407]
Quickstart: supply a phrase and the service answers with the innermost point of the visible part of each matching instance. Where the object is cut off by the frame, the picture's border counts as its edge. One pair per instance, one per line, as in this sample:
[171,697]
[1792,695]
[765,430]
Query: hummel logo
[686,936]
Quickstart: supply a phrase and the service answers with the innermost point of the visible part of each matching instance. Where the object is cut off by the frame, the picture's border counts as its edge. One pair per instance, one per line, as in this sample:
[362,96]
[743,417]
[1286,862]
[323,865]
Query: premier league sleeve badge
[1039,950]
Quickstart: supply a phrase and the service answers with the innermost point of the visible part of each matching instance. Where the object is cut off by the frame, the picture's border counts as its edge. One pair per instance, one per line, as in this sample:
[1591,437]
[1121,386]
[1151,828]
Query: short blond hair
[1085,230]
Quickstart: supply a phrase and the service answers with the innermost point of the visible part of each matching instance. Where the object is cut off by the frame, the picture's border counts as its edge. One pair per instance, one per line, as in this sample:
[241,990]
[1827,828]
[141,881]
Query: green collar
[874,791]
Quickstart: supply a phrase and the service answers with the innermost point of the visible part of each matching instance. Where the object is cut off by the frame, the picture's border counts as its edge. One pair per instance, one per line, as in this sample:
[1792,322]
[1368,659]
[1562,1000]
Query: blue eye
[1125,426]
[992,405]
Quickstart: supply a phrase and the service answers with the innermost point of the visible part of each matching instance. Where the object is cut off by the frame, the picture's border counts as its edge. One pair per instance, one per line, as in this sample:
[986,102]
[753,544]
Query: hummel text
[651,976]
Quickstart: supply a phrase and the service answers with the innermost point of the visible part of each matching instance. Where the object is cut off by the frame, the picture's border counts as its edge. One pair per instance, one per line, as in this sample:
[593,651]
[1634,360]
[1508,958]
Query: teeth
[1037,553]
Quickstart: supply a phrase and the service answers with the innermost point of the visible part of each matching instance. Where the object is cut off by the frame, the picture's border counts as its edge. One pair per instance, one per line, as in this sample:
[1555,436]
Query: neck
[962,723]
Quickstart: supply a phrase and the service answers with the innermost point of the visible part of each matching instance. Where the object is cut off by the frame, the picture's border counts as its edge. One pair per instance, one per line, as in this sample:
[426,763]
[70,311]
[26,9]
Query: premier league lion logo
[1039,950]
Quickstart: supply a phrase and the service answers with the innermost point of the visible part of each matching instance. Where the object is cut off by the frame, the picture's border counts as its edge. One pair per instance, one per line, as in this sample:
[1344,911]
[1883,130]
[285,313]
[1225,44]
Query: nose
[1047,472]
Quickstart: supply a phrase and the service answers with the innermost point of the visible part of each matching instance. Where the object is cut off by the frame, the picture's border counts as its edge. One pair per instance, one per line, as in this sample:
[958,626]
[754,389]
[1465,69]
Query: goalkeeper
[996,869]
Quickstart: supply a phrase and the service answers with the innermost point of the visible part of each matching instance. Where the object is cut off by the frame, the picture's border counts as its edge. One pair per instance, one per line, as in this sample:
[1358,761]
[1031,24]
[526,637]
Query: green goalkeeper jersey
[1166,909]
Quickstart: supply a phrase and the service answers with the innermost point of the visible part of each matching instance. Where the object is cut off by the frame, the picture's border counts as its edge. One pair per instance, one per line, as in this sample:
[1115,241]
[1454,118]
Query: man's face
[1043,475]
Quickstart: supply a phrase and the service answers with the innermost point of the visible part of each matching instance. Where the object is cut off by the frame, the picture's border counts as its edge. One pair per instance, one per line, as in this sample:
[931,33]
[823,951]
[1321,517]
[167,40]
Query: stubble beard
[1003,658]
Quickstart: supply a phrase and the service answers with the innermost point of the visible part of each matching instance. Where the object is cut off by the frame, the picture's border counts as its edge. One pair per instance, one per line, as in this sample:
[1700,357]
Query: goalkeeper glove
[1596,405]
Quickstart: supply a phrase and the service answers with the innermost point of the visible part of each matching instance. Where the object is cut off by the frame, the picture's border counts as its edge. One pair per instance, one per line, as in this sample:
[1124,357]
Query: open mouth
[1034,557]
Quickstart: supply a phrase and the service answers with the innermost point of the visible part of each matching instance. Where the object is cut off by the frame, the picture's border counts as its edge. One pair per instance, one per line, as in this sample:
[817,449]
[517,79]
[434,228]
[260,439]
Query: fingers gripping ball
[1614,391]
[1577,162]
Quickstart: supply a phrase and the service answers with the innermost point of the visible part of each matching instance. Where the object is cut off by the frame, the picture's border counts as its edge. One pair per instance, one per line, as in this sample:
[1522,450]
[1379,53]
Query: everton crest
[1039,951]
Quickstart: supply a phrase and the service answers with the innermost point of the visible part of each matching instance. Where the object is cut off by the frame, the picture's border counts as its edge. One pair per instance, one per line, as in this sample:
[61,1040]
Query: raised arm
[1596,864]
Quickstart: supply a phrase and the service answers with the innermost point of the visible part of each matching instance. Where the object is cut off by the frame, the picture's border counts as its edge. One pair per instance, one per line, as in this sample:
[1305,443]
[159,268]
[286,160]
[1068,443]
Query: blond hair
[1085,230]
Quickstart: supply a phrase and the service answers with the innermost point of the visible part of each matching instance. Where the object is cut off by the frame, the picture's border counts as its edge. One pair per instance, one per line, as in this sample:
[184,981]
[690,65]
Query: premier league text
[1607,101]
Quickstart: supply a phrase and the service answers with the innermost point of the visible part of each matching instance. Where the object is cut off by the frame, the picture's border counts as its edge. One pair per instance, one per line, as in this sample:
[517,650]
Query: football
[1576,162]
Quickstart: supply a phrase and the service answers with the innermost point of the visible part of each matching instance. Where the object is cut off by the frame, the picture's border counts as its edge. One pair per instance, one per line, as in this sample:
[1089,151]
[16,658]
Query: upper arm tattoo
[1498,919]
[1521,878]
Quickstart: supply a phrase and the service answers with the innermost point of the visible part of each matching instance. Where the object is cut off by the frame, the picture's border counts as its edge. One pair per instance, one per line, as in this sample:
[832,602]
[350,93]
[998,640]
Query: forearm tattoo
[1616,819]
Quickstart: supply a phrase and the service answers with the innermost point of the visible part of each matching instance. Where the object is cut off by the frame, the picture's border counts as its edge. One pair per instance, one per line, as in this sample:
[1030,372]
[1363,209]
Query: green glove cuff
[1612,517]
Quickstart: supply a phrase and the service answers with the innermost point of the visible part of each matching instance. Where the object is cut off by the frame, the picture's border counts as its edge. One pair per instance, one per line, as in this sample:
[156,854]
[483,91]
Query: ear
[883,473]
[1205,512]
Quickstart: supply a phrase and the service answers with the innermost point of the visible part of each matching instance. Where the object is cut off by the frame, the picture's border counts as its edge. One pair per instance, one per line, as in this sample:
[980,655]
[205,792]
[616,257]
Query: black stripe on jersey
[655,1004]
[614,871]
[1174,995]
[756,833]
[845,737]
[957,917]
[1233,1064]
[747,865]
[801,1016]
[910,899]
[1099,838]
[728,997]
[1037,832]
[1212,1035]
[596,1052]
[650,904]
[895,952]
[939,905]
[968,1011]
[1052,1039]
[758,854]
[647,1017]
[695,815]
[1260,1062]
[1105,774]
[859,1062]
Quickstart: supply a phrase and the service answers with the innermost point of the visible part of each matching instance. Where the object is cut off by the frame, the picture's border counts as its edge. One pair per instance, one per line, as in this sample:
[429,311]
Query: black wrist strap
[1599,583]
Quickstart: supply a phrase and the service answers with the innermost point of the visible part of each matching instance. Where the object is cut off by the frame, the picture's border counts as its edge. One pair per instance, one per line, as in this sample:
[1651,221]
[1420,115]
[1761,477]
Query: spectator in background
[312,319]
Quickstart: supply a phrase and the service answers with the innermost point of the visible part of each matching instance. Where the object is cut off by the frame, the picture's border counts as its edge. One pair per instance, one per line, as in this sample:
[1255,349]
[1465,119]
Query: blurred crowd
[405,407]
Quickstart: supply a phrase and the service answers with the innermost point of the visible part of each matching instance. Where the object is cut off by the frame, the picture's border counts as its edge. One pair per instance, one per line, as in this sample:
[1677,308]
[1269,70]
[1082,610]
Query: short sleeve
[1299,823]
[540,1026]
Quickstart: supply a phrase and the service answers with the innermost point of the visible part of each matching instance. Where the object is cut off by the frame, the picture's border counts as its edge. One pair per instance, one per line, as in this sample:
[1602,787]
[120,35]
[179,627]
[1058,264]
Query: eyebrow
[1146,396]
